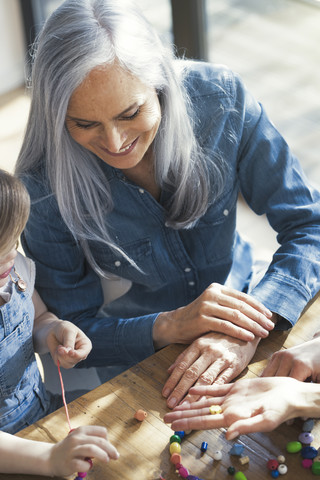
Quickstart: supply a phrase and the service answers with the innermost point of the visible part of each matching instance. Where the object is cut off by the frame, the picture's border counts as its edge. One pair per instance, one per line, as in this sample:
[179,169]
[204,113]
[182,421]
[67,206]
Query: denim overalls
[23,399]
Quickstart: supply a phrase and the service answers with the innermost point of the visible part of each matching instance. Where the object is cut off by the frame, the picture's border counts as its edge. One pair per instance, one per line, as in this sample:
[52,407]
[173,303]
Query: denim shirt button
[191,284]
[187,269]
[141,190]
[117,263]
[225,212]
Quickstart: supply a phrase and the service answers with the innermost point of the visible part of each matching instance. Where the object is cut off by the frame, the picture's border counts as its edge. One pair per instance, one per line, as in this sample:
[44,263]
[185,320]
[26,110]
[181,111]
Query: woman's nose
[114,138]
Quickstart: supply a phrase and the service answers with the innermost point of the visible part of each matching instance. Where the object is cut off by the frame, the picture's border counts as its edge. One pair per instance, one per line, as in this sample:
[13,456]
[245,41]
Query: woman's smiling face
[115,116]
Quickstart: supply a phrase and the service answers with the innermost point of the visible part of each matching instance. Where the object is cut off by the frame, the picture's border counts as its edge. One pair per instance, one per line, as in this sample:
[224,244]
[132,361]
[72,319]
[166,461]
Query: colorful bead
[282,469]
[294,447]
[237,449]
[217,455]
[204,447]
[244,460]
[175,458]
[180,433]
[281,459]
[272,464]
[308,425]
[183,472]
[82,474]
[175,447]
[231,470]
[89,460]
[306,438]
[240,476]
[193,477]
[309,452]
[175,438]
[307,463]
[140,415]
[275,474]
[214,409]
[315,468]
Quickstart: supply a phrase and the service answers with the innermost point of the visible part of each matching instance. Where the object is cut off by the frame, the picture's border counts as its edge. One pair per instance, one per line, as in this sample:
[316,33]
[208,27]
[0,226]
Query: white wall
[12,46]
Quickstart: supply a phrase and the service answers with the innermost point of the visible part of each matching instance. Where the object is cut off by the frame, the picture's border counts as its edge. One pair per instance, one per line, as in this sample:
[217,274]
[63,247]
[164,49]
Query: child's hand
[68,344]
[68,456]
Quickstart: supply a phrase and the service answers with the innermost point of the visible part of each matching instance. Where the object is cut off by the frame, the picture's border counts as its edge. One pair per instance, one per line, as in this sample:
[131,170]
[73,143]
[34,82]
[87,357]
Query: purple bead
[306,438]
[82,474]
[193,477]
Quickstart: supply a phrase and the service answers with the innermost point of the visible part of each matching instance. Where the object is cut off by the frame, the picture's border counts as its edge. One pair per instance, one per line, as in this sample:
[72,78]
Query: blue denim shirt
[177,265]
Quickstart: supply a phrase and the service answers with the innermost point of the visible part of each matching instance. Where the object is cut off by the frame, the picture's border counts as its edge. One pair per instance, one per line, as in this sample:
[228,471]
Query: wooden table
[144,447]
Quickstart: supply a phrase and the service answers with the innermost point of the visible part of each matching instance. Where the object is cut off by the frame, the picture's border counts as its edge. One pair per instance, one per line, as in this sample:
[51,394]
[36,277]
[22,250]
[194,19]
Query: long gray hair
[78,36]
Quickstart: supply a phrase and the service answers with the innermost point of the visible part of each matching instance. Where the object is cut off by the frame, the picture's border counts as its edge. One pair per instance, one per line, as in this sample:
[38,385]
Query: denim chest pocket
[16,354]
[216,229]
[141,252]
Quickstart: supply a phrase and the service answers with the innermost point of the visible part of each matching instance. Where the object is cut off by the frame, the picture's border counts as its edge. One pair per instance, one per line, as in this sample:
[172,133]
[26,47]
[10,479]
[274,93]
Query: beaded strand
[80,475]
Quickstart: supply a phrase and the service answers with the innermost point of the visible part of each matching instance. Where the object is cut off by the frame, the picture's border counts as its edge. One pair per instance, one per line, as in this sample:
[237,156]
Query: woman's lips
[123,151]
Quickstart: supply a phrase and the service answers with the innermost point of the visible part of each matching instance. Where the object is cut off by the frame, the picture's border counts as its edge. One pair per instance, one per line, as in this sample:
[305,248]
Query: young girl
[27,326]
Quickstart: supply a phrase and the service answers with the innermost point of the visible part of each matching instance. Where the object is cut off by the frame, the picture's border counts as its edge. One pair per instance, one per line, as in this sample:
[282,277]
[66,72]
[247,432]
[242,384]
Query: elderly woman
[134,161]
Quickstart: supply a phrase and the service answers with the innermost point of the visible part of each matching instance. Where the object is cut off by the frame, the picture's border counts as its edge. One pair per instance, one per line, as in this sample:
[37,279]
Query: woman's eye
[131,117]
[85,125]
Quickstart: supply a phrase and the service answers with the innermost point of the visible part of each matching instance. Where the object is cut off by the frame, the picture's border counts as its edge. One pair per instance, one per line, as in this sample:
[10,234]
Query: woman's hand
[301,362]
[68,456]
[67,344]
[217,309]
[248,405]
[211,358]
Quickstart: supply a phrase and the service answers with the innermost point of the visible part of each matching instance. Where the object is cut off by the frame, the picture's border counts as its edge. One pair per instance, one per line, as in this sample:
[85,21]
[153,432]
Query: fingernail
[172,402]
[166,392]
[233,435]
[268,313]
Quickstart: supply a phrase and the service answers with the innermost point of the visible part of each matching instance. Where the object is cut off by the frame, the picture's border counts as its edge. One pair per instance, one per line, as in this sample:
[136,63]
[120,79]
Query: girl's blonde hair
[14,210]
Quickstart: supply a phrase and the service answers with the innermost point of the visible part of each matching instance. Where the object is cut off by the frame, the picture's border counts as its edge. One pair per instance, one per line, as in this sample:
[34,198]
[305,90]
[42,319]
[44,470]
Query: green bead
[175,438]
[294,447]
[316,468]
[240,476]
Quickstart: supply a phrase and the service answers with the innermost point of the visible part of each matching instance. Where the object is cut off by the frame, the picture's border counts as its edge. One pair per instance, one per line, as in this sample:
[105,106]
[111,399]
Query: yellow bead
[214,409]
[175,447]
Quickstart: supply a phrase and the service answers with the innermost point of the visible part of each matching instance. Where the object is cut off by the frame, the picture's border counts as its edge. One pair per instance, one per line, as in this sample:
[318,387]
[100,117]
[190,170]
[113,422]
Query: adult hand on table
[248,406]
[214,357]
[300,362]
[217,309]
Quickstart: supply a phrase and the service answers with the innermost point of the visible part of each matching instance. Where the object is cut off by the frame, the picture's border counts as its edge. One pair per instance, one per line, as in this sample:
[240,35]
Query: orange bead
[140,415]
[175,458]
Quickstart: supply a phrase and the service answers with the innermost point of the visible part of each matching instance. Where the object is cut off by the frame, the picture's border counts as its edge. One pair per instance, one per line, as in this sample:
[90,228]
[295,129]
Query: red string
[63,396]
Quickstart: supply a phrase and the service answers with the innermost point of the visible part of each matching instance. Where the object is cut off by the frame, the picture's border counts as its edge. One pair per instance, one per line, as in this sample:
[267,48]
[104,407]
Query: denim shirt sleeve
[72,290]
[273,183]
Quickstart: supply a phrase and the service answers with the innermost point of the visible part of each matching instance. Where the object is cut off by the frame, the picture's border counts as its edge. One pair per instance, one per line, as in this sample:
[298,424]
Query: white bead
[282,469]
[217,455]
[281,459]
